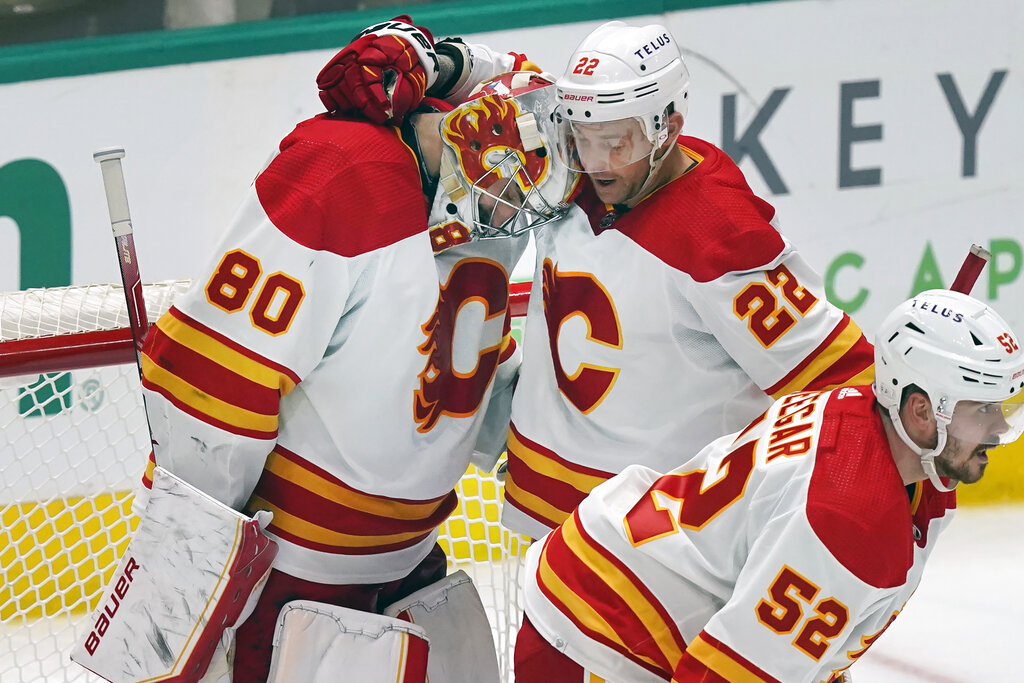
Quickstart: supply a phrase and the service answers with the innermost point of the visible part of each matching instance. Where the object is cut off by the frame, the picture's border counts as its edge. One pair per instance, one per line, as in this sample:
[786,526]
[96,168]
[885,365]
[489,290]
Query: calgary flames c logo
[483,131]
[569,294]
[443,389]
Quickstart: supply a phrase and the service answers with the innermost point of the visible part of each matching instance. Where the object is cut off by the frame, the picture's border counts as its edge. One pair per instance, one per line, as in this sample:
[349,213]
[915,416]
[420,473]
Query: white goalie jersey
[329,367]
[778,554]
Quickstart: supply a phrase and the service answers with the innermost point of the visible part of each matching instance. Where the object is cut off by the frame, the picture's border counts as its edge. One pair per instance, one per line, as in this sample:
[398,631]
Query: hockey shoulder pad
[193,568]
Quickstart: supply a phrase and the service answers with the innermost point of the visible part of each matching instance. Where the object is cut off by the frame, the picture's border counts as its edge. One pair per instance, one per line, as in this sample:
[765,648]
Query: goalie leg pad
[461,643]
[316,642]
[191,571]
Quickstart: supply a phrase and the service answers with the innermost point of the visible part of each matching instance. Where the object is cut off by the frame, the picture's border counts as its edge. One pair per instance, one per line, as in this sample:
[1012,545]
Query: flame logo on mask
[486,128]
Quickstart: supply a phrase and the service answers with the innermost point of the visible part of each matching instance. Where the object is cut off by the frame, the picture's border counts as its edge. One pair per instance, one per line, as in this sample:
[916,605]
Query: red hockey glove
[383,74]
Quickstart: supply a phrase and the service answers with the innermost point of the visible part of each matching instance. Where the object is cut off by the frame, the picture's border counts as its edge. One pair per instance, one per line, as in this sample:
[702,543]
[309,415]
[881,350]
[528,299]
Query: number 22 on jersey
[767,317]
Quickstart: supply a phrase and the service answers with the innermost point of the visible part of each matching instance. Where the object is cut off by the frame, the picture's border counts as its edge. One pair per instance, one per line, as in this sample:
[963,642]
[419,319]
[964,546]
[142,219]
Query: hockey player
[666,307]
[781,552]
[344,358]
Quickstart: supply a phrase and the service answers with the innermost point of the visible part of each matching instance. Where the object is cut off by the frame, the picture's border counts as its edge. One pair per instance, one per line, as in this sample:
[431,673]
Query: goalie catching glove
[383,74]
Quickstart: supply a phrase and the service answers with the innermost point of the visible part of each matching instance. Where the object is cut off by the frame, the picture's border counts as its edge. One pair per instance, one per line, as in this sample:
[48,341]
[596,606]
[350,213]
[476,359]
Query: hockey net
[73,446]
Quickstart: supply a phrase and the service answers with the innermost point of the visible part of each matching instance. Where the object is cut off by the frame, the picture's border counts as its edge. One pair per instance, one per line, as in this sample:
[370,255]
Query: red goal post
[57,329]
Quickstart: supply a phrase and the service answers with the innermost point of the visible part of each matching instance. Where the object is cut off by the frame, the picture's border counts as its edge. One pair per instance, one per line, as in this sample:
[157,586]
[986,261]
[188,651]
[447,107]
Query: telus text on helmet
[653,46]
[938,310]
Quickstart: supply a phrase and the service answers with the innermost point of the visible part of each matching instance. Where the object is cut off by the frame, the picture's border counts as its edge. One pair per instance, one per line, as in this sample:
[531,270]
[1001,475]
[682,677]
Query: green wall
[311,32]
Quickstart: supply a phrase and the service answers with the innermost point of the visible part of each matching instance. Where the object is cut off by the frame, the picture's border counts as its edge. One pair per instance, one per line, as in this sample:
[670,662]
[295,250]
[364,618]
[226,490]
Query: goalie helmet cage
[73,446]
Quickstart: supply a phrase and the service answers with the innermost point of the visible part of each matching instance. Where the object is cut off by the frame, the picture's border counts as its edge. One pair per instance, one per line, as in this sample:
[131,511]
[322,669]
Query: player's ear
[918,418]
[675,125]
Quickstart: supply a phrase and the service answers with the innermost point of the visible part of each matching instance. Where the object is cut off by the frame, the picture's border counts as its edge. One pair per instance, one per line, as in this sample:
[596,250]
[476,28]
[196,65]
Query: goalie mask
[614,99]
[499,177]
[964,357]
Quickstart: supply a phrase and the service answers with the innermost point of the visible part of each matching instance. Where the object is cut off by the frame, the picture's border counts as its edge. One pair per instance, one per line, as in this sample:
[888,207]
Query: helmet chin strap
[927,455]
[653,164]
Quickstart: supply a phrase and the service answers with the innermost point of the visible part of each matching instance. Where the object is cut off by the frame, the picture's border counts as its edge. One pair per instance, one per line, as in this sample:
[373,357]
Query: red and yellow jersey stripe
[845,357]
[542,484]
[606,601]
[316,510]
[216,380]
[709,660]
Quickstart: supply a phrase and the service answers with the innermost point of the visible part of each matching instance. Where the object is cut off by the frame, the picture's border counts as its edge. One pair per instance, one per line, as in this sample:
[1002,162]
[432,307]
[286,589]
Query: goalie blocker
[192,571]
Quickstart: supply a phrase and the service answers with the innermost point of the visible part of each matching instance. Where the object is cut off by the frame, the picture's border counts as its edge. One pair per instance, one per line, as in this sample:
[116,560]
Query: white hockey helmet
[622,72]
[496,162]
[953,348]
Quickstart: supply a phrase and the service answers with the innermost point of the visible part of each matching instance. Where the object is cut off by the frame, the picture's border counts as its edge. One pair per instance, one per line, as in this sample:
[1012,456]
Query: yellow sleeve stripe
[542,464]
[506,341]
[623,586]
[828,356]
[721,663]
[581,611]
[205,404]
[865,376]
[222,354]
[577,606]
[535,504]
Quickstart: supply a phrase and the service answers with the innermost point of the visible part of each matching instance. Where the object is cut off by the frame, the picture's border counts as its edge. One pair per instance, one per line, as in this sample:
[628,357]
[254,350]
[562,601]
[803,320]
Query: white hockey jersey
[652,332]
[778,554]
[330,368]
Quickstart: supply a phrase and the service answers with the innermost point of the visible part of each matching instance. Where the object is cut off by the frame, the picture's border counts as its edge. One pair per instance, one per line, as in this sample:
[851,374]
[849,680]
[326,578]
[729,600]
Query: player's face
[974,428]
[615,155]
[500,203]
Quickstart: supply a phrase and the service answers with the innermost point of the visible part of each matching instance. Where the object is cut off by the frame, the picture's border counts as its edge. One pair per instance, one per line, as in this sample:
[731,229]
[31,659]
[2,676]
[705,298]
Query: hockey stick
[121,224]
[970,269]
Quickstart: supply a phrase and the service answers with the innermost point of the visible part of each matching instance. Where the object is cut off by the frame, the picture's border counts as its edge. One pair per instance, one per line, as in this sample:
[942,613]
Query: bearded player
[782,552]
